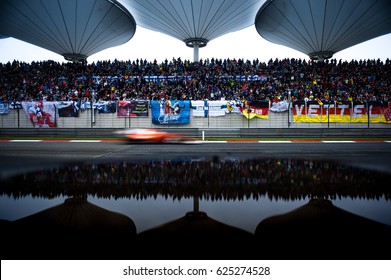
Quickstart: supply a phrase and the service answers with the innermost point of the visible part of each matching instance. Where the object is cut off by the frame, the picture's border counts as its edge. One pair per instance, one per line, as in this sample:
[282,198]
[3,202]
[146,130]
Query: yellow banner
[354,112]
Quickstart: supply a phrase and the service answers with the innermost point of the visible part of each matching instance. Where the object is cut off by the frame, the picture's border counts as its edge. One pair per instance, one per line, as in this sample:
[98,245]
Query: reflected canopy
[193,235]
[74,228]
[321,229]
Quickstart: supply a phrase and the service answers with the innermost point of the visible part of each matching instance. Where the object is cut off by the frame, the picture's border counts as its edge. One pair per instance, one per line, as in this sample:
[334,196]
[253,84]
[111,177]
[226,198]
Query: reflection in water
[72,228]
[89,231]
[322,230]
[192,234]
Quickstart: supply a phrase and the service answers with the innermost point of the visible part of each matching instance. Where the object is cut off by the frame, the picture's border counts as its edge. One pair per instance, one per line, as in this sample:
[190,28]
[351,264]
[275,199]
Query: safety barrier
[86,119]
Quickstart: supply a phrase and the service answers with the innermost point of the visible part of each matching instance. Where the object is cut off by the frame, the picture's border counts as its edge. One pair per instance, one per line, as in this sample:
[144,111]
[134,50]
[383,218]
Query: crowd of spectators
[212,79]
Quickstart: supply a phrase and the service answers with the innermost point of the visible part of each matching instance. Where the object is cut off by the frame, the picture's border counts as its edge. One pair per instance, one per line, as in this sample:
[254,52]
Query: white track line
[271,141]
[85,141]
[25,140]
[338,141]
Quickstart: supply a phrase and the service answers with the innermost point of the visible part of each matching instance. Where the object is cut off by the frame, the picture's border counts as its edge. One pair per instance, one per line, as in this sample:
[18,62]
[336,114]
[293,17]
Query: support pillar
[196,44]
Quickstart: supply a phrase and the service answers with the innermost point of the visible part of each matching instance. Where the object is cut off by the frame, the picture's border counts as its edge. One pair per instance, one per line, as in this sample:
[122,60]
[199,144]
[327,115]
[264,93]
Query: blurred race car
[151,135]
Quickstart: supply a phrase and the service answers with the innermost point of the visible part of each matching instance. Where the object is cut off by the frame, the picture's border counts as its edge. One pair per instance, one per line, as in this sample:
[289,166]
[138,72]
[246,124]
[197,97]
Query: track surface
[19,156]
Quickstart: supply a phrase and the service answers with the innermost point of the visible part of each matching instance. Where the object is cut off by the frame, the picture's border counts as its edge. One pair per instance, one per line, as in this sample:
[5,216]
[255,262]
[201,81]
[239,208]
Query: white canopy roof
[77,29]
[74,29]
[195,22]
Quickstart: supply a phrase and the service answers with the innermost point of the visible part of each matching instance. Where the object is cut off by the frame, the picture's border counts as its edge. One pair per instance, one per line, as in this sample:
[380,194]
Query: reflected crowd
[214,179]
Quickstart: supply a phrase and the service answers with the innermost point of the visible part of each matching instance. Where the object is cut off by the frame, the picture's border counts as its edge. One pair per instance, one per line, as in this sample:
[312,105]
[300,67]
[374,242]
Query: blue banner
[106,107]
[4,108]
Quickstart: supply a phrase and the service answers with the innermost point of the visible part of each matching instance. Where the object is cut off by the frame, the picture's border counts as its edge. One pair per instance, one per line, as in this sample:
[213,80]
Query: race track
[18,156]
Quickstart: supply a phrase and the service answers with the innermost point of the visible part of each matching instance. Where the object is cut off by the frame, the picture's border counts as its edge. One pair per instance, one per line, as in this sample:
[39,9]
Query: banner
[258,109]
[375,111]
[206,108]
[366,112]
[106,107]
[345,111]
[339,111]
[44,113]
[280,106]
[170,111]
[132,108]
[97,79]
[4,108]
[16,105]
[68,109]
[299,111]
[310,111]
[359,113]
[41,114]
[85,105]
[386,117]
[235,106]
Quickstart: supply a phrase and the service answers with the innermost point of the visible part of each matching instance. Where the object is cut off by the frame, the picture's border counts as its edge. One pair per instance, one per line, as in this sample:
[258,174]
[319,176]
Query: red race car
[151,135]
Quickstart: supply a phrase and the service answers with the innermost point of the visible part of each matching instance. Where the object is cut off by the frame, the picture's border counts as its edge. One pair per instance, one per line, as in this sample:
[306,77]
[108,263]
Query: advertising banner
[68,108]
[132,108]
[166,112]
[4,108]
[41,114]
[206,108]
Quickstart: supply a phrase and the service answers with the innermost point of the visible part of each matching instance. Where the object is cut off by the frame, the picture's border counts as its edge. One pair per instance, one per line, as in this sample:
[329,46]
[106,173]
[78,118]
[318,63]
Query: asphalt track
[28,155]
